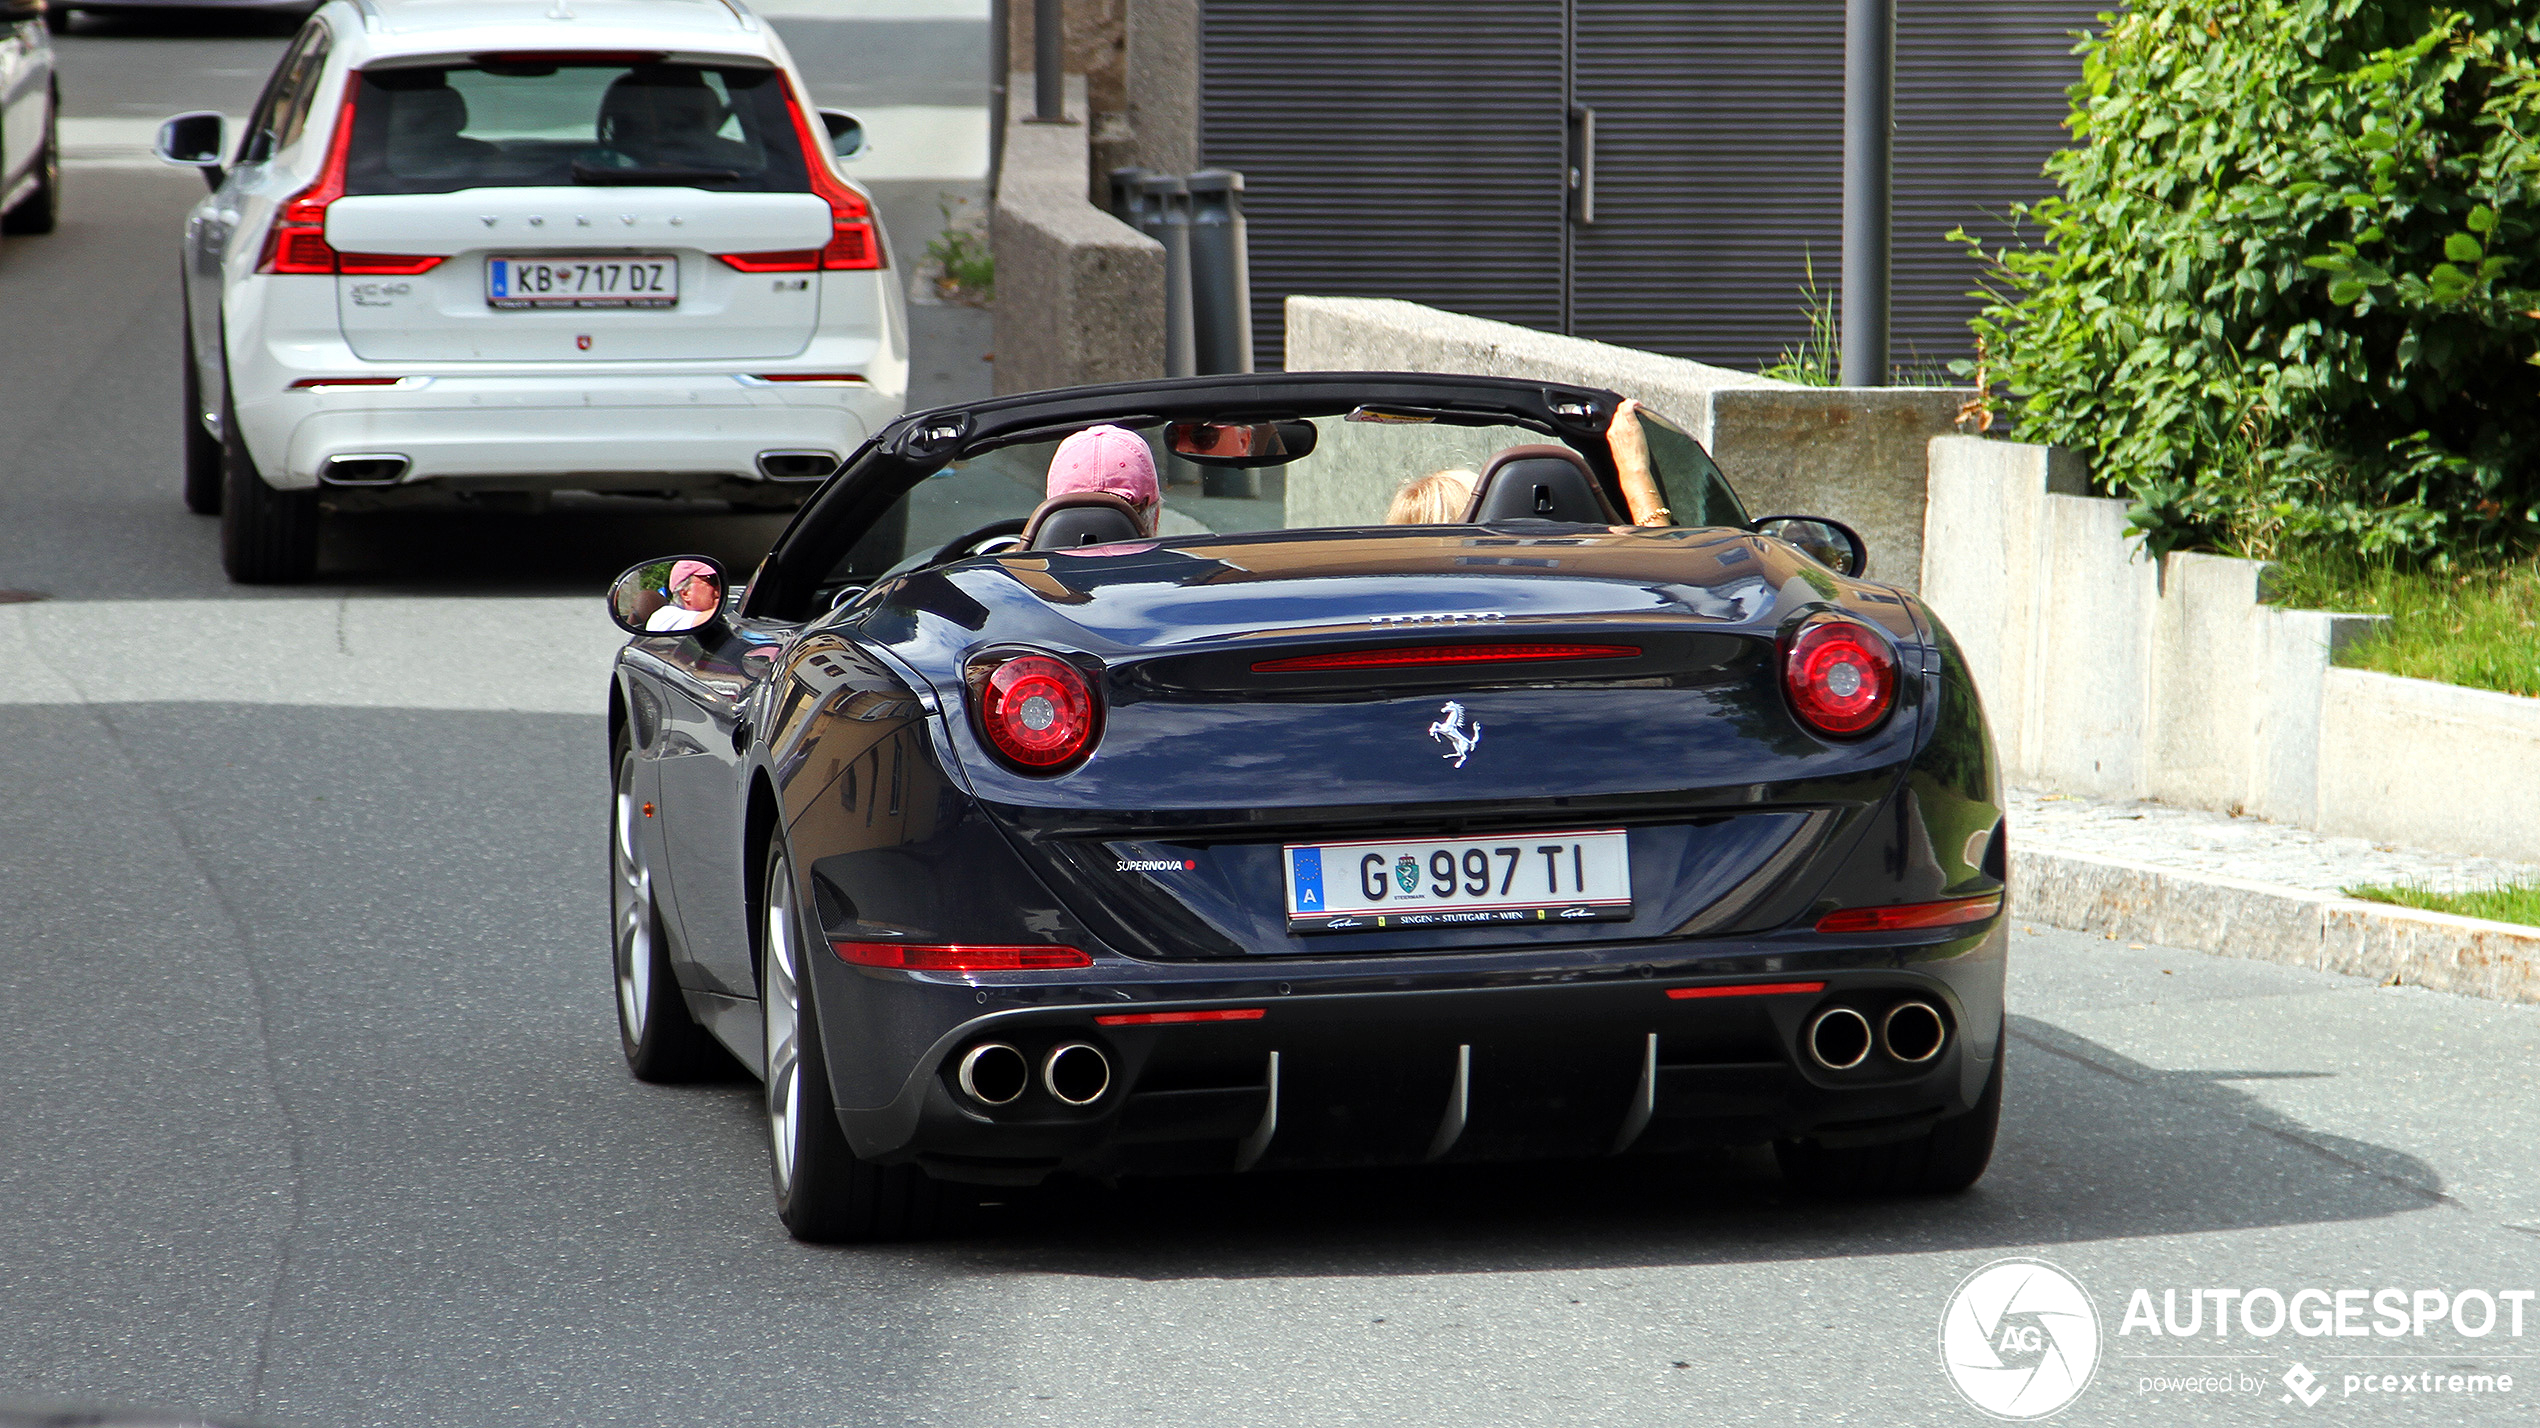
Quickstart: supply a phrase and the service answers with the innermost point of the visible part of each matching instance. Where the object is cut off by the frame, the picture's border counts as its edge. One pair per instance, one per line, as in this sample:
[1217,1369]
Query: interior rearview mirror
[194,141]
[846,133]
[1830,543]
[1215,443]
[682,592]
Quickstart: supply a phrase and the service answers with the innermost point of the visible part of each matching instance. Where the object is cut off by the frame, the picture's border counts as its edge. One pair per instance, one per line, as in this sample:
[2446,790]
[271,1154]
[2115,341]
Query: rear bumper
[1342,1067]
[693,434]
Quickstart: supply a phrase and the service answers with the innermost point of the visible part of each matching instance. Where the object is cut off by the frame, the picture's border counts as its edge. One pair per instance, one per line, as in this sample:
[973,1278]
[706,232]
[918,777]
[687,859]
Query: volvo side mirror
[659,597]
[1830,543]
[846,133]
[193,141]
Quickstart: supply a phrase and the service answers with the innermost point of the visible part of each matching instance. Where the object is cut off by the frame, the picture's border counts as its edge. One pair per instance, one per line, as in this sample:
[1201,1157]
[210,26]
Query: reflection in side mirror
[659,597]
[1267,443]
[193,141]
[1830,543]
[846,133]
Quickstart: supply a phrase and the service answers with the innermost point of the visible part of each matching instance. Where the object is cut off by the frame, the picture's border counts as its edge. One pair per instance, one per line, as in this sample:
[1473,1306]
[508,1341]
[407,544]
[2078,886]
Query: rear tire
[40,210]
[267,537]
[202,449]
[662,1041]
[824,1193]
[1943,1160]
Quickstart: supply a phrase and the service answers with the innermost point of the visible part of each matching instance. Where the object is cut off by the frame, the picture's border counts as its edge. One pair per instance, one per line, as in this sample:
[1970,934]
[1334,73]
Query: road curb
[2234,917]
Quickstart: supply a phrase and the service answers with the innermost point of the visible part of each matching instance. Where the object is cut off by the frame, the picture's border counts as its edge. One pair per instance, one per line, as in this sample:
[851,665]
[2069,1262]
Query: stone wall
[1080,295]
[1855,454]
[2106,674]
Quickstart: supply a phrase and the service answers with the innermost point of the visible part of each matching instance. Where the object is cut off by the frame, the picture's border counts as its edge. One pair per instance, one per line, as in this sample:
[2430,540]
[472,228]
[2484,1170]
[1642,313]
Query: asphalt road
[311,1109]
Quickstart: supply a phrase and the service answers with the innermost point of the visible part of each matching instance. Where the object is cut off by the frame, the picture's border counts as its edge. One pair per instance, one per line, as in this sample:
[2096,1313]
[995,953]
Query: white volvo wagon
[494,249]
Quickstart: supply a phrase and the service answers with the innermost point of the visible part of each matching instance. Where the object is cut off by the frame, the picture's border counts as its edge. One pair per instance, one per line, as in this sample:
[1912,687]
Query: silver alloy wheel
[631,892]
[780,1000]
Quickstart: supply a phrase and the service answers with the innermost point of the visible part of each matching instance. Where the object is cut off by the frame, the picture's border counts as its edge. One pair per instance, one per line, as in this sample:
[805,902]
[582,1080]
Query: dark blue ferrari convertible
[1009,834]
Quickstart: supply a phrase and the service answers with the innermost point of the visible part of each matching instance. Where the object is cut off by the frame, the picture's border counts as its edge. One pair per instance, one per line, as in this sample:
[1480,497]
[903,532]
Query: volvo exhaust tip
[1076,1073]
[366,468]
[1913,1032]
[797,465]
[993,1073]
[1838,1039]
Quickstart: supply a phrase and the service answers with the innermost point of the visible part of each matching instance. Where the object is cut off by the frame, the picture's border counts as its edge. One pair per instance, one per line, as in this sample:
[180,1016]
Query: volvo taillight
[297,241]
[855,240]
[1839,674]
[1037,711]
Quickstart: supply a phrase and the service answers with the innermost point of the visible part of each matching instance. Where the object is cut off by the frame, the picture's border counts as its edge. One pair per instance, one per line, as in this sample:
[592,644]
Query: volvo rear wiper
[587,173]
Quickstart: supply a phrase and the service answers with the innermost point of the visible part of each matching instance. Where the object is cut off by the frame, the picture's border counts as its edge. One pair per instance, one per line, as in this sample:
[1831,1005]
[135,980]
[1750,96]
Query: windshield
[1352,478]
[443,128]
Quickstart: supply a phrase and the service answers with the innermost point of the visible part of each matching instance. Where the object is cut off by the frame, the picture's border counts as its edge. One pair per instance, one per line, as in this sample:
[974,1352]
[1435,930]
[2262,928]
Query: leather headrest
[651,104]
[1538,483]
[1082,518]
[426,114]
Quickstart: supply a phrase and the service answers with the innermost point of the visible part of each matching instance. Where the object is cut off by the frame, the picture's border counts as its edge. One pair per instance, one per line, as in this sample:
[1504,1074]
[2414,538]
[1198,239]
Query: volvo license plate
[643,281]
[1389,883]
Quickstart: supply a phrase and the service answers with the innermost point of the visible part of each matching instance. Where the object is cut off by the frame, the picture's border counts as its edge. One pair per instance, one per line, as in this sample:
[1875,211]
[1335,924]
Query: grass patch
[2477,626]
[2518,902]
[965,267]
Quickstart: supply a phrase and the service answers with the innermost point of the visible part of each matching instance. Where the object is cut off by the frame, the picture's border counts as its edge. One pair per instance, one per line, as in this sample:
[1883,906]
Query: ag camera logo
[2019,1339]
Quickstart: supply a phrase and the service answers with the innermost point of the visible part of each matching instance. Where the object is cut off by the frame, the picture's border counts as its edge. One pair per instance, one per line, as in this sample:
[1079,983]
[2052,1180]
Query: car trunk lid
[1390,686]
[606,239]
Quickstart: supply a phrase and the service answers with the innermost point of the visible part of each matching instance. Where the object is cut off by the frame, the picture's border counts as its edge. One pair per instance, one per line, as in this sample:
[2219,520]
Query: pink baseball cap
[1105,458]
[688,570]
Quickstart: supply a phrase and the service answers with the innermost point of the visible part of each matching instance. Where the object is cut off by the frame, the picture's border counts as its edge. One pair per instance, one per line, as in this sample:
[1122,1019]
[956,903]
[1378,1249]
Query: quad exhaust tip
[1913,1033]
[1838,1038]
[994,1074]
[1076,1073]
[364,468]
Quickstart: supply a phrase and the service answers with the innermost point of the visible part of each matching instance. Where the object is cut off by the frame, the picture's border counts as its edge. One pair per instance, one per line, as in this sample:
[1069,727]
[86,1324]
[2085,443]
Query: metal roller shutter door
[1392,148]
[1719,170]
[1414,149]
[1980,103]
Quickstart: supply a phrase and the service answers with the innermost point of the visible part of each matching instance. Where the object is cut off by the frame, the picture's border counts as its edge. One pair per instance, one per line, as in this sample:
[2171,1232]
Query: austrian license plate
[646,281]
[1387,883]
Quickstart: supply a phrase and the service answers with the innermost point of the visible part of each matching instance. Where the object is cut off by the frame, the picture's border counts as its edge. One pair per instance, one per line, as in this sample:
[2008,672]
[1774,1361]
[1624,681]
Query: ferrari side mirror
[1830,543]
[684,592]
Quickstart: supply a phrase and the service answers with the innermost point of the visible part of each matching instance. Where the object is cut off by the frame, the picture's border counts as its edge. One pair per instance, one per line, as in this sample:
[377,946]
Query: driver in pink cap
[694,593]
[1108,458]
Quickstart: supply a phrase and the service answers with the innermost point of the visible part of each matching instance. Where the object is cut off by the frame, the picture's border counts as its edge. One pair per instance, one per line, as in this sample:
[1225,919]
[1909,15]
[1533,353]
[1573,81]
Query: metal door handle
[1582,164]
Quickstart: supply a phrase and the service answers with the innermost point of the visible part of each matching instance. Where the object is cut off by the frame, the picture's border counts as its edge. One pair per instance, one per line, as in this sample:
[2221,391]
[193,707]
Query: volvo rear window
[540,123]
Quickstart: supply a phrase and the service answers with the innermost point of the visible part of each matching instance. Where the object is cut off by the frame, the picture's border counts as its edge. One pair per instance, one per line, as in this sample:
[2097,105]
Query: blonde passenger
[1438,499]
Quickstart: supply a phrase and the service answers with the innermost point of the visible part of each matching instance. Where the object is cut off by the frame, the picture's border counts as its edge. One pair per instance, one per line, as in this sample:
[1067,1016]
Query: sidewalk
[2146,872]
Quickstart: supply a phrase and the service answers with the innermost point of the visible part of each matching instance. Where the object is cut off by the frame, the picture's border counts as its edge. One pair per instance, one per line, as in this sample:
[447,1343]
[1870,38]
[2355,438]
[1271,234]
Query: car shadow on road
[575,547]
[2094,1146]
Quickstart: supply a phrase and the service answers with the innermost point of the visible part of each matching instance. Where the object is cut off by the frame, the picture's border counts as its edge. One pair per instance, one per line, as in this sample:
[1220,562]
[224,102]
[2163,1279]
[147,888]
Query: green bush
[2287,293]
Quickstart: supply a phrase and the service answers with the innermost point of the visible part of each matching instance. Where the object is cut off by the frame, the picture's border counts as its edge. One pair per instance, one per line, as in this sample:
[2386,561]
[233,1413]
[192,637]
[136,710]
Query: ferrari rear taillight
[1905,917]
[961,957]
[297,241]
[1037,711]
[1840,675]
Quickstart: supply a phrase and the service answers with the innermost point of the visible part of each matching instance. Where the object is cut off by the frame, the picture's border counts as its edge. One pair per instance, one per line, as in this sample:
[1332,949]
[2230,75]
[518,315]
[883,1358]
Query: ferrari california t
[1008,835]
